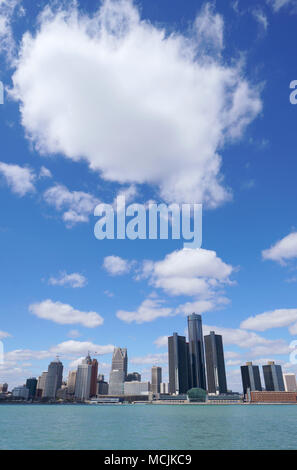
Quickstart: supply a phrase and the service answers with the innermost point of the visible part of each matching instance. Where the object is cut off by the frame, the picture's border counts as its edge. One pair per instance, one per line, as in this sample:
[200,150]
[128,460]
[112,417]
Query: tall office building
[41,384]
[53,379]
[178,357]
[71,382]
[94,374]
[290,382]
[118,374]
[197,378]
[31,385]
[83,380]
[156,379]
[273,377]
[215,364]
[250,376]
[4,388]
[120,360]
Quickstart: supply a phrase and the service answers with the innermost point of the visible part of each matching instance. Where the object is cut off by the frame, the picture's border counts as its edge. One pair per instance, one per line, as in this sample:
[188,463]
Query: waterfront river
[148,427]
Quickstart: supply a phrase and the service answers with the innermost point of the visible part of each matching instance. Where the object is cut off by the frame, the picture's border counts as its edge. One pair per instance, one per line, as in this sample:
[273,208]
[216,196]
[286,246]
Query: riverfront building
[250,376]
[156,379]
[273,397]
[136,388]
[215,364]
[21,392]
[118,374]
[31,385]
[273,377]
[178,357]
[197,377]
[53,379]
[83,380]
[71,382]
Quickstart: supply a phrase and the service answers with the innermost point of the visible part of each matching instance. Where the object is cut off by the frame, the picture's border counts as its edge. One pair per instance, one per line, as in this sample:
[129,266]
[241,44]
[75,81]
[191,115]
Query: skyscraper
[290,382]
[71,382]
[94,374]
[197,378]
[3,388]
[41,384]
[156,379]
[178,356]
[118,374]
[31,385]
[83,379]
[53,379]
[250,376]
[215,364]
[273,377]
[120,360]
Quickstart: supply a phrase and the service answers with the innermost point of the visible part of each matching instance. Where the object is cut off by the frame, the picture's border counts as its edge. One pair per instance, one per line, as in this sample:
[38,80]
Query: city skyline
[85,383]
[155,135]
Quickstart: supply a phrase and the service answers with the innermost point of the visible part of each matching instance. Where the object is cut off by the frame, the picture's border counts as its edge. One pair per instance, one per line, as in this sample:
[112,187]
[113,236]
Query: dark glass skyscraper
[215,363]
[178,364]
[273,377]
[197,377]
[31,385]
[250,376]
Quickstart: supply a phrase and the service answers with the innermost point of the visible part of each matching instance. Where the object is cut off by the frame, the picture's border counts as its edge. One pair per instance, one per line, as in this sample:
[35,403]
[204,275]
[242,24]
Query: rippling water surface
[148,427]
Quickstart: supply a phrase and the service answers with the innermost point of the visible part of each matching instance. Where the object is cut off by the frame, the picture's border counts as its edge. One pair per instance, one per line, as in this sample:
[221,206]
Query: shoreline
[23,403]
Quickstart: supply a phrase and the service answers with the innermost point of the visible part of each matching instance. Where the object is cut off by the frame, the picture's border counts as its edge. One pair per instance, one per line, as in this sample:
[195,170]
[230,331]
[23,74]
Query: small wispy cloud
[74,280]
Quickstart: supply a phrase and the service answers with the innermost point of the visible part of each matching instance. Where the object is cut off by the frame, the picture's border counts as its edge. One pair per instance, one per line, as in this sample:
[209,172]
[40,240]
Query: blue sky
[157,100]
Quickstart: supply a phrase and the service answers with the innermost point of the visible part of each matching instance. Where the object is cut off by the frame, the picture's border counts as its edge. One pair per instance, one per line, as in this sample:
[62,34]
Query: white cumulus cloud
[194,272]
[81,348]
[138,104]
[273,319]
[283,250]
[249,340]
[152,359]
[116,266]
[65,314]
[148,311]
[76,206]
[19,179]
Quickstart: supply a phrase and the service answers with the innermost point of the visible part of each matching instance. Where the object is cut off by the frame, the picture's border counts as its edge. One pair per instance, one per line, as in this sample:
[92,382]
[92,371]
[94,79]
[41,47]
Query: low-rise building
[225,399]
[136,388]
[21,392]
[272,397]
